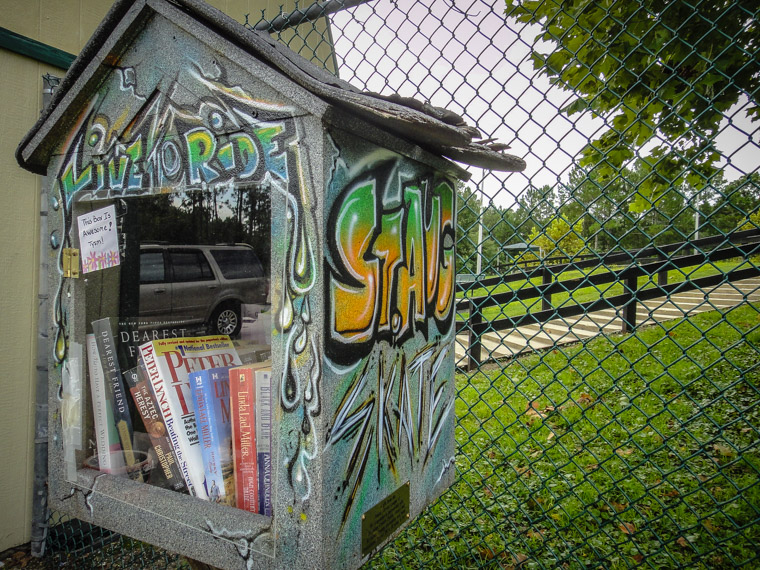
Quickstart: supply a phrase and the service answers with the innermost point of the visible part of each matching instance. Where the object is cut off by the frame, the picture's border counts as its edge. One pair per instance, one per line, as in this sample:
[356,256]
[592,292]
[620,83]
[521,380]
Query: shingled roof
[433,128]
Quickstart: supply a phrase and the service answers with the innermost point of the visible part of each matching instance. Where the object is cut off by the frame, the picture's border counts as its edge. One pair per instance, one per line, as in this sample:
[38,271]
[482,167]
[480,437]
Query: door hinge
[71,262]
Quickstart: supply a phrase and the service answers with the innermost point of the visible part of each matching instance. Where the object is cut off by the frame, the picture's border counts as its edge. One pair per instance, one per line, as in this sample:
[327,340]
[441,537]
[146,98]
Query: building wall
[66,25]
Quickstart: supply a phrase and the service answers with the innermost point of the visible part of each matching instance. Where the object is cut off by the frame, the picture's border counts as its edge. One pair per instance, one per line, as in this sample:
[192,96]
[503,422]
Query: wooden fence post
[662,274]
[546,299]
[629,309]
[475,347]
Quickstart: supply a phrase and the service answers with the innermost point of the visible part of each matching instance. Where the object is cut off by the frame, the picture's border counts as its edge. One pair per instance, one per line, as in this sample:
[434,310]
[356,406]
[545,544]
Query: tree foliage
[662,73]
[558,239]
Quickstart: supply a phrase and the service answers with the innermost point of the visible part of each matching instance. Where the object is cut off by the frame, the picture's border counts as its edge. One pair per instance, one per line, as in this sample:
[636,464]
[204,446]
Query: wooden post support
[629,309]
[546,298]
[475,347]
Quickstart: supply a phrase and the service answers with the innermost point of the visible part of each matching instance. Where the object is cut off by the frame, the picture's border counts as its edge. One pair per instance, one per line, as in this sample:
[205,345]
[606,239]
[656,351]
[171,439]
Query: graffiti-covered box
[251,274]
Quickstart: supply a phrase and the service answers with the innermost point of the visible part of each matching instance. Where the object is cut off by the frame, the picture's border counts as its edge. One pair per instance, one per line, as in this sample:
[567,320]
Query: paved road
[508,343]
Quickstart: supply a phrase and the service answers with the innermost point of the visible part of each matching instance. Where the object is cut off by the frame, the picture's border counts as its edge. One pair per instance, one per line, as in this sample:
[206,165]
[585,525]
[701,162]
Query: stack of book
[208,415]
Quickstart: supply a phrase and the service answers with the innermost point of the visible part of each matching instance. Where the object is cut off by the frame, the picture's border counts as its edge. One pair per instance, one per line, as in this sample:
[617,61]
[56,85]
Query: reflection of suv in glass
[196,284]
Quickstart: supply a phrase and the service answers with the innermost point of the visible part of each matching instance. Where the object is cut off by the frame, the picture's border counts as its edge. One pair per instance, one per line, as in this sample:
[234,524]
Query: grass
[625,451]
[591,293]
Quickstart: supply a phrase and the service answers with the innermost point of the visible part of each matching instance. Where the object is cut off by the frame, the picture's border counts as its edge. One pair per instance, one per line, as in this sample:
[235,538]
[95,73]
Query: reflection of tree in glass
[221,215]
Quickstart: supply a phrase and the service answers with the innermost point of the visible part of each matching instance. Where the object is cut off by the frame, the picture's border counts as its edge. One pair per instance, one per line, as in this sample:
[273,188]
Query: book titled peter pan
[169,363]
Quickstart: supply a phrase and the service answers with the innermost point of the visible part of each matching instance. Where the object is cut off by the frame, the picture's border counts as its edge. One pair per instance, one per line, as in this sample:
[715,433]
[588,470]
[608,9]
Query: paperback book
[243,408]
[170,475]
[251,408]
[263,380]
[114,383]
[110,457]
[211,401]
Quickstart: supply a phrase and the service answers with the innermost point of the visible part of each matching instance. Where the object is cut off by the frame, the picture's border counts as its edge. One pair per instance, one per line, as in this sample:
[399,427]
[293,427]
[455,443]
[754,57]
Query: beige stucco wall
[66,25]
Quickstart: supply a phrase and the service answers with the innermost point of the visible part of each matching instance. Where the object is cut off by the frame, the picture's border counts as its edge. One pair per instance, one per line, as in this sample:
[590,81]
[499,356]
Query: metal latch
[71,262]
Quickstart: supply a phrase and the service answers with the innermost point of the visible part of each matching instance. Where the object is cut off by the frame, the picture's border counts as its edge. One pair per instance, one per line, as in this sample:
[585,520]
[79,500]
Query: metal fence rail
[637,121]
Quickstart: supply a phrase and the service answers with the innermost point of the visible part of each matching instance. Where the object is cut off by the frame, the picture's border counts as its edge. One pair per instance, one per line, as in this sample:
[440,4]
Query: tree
[558,239]
[468,211]
[538,205]
[753,222]
[662,72]
[737,201]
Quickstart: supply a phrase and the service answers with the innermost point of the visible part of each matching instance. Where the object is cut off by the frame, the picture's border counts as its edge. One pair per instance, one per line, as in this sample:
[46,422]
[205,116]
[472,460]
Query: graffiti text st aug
[393,266]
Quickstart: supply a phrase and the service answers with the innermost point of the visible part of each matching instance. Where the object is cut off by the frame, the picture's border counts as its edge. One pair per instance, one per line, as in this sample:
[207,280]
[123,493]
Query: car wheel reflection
[226,320]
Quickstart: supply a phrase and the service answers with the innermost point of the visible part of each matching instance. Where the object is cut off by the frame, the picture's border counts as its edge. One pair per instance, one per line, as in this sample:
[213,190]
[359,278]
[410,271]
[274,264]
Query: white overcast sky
[465,56]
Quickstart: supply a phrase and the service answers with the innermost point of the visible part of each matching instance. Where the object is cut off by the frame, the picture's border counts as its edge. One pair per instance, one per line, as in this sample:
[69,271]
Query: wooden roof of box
[433,128]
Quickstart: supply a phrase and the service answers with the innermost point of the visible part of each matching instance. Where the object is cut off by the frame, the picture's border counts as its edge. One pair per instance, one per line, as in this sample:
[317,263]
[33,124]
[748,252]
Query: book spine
[115,383]
[242,407]
[199,382]
[137,380]
[161,391]
[106,437]
[264,439]
[221,423]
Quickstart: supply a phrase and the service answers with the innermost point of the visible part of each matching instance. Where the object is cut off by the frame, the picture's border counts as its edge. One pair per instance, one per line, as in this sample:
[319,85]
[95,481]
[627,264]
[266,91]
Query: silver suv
[199,284]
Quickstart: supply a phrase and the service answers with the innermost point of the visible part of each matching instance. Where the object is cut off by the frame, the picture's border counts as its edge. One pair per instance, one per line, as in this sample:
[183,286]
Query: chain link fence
[609,296]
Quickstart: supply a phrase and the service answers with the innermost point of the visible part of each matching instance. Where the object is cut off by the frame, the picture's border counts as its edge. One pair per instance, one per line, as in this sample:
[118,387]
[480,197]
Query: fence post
[629,309]
[546,298]
[662,274]
[475,347]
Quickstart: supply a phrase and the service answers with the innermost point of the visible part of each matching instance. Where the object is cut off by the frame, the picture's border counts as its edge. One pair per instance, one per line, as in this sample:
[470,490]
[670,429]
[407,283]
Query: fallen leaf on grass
[619,507]
[536,534]
[523,471]
[709,525]
[534,408]
[486,553]
[638,558]
[624,451]
[627,528]
[683,542]
[517,562]
[724,450]
[585,399]
[550,436]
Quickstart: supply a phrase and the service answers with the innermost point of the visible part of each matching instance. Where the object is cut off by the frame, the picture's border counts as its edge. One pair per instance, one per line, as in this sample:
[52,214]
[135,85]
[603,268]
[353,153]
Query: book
[169,473]
[211,401]
[245,458]
[168,363]
[115,390]
[263,383]
[107,442]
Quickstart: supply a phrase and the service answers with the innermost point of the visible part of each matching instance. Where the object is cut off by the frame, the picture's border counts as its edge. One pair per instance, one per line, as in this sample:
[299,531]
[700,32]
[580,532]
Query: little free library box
[251,272]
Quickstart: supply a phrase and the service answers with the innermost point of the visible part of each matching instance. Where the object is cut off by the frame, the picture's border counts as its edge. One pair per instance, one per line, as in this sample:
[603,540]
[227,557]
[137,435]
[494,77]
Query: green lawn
[588,294]
[625,450]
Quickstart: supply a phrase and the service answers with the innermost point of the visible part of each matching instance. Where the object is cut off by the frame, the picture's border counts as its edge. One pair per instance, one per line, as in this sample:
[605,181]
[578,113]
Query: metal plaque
[384,518]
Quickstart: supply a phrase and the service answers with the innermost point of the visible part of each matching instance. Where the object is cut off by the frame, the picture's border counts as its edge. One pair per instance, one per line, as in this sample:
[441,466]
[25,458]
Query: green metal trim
[36,50]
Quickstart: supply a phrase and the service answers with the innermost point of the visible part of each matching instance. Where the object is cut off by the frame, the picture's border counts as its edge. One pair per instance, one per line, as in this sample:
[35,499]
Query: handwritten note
[98,239]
